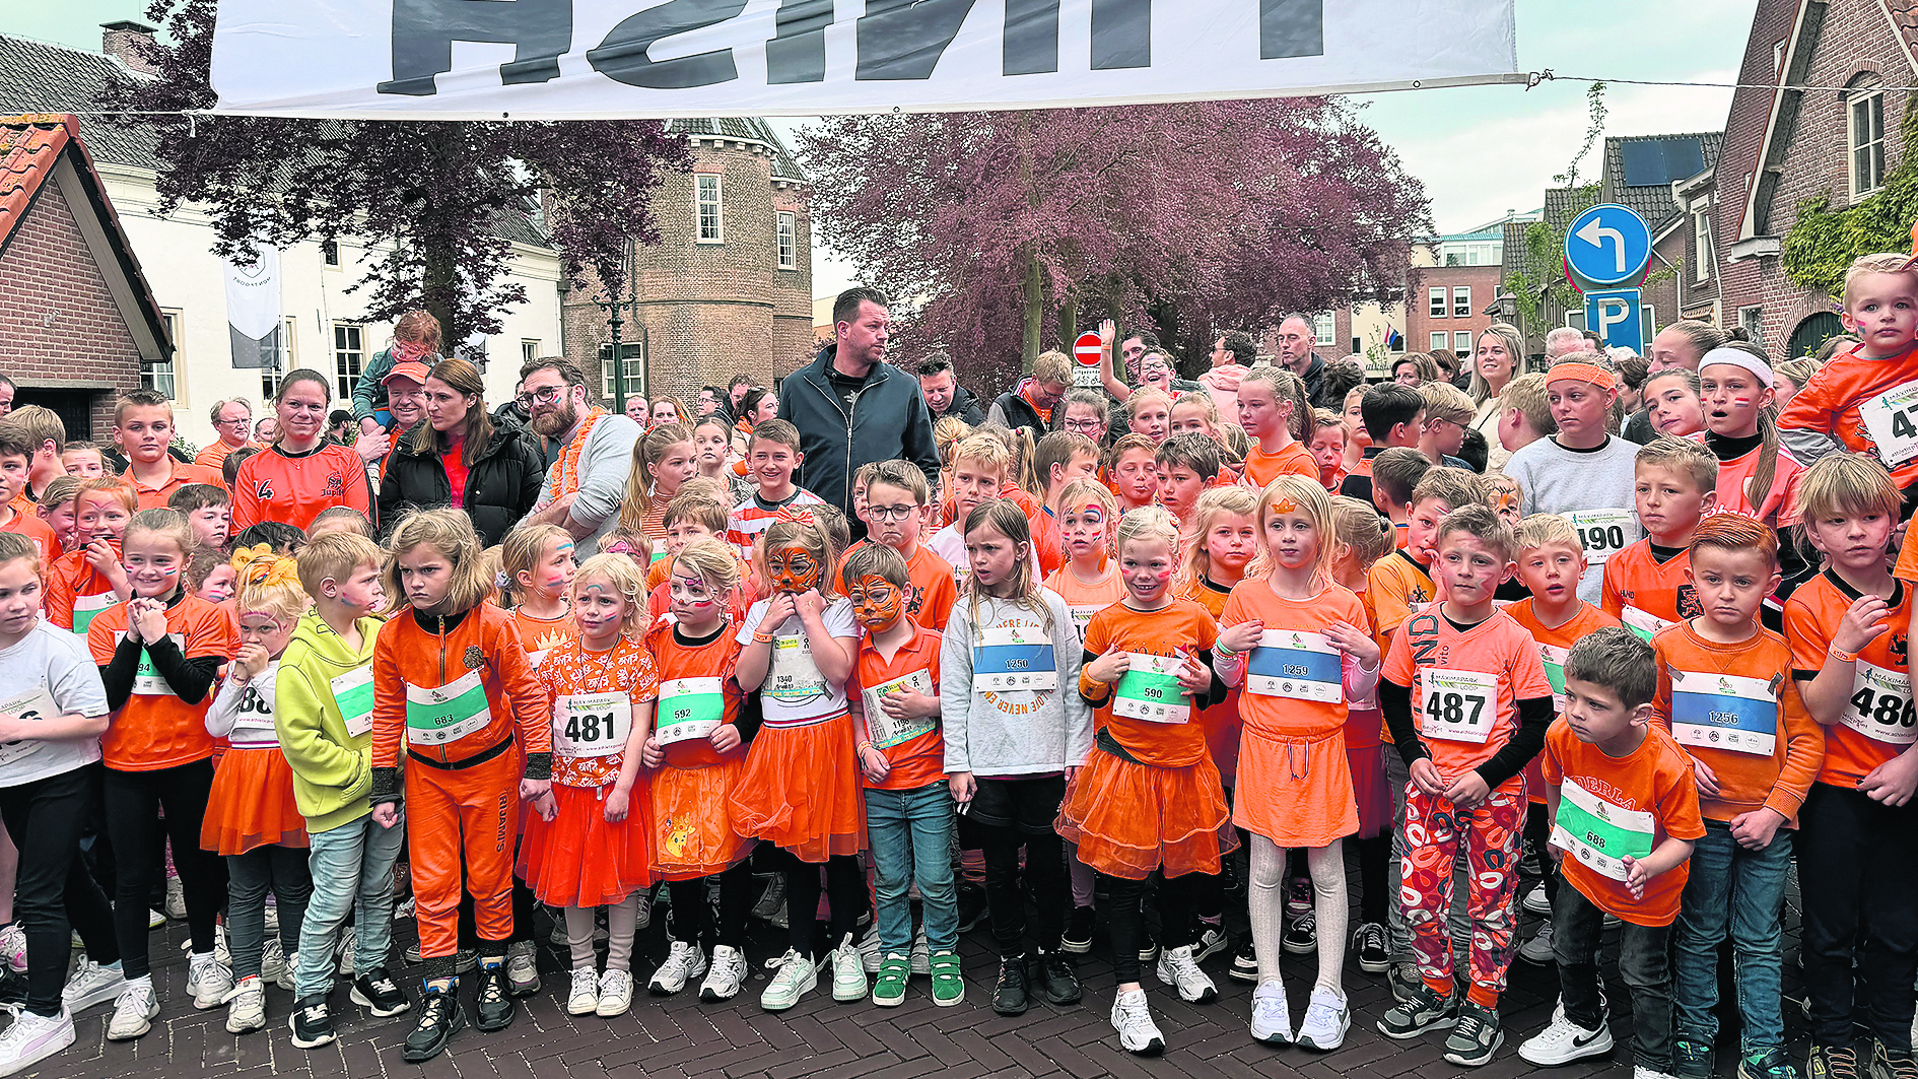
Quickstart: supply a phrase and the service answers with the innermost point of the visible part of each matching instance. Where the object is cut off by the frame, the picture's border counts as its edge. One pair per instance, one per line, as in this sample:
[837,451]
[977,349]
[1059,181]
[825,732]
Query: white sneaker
[33,1038]
[724,977]
[795,977]
[645,905]
[848,972]
[246,1007]
[208,979]
[91,984]
[1642,1072]
[1539,948]
[273,964]
[1535,901]
[869,952]
[155,919]
[1177,967]
[1138,1034]
[1271,1016]
[615,993]
[134,1011]
[1565,1041]
[175,899]
[921,954]
[584,997]
[1327,1018]
[13,945]
[684,962]
[343,952]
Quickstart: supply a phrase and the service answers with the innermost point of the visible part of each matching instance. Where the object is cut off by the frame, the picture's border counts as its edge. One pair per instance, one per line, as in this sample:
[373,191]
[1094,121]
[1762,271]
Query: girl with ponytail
[1756,476]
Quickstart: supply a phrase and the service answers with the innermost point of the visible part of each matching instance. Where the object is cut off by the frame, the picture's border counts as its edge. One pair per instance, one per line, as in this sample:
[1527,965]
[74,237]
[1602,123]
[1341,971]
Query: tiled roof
[1904,15]
[744,127]
[36,77]
[29,146]
[1653,202]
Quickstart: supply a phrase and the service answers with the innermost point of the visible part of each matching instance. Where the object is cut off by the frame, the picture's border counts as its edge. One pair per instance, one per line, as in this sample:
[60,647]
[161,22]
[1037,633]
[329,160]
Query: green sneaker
[1767,1064]
[889,985]
[948,988]
[1691,1058]
[1475,1037]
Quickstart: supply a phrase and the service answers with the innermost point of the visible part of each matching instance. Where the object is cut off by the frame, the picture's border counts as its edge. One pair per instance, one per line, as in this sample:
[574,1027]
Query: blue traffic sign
[1608,245]
[1617,317]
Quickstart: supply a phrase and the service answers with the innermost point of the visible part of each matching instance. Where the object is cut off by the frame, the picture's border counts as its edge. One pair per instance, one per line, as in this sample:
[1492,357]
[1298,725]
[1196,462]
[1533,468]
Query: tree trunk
[1068,321]
[439,257]
[1033,302]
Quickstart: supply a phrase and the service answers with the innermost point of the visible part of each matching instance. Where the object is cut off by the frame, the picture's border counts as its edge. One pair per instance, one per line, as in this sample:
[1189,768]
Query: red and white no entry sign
[1086,349]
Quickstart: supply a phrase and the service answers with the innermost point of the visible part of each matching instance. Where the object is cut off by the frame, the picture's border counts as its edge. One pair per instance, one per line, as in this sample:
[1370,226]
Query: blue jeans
[910,836]
[1743,891]
[351,864]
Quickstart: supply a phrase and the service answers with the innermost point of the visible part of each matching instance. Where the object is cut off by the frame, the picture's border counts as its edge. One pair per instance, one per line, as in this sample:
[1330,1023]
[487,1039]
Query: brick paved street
[678,1038]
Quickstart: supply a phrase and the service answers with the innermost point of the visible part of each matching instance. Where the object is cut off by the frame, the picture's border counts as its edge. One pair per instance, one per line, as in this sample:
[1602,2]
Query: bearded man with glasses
[585,484]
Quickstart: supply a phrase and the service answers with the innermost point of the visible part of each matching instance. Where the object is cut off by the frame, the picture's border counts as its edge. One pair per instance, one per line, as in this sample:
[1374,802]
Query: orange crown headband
[1582,372]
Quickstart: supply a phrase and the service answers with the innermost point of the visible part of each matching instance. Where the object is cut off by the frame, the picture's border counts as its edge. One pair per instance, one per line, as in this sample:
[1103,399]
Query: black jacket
[1019,413]
[888,419]
[965,406]
[501,486]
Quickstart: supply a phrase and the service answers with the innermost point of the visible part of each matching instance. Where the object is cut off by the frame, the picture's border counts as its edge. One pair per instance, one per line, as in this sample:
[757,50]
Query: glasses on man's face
[545,396]
[889,513]
[236,421]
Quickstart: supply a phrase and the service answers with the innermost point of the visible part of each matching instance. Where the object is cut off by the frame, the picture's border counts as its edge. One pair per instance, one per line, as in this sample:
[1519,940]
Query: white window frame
[711,196]
[162,375]
[330,254]
[1870,143]
[1435,302]
[1324,329]
[635,368]
[529,349]
[348,362]
[1702,242]
[1461,301]
[1462,342]
[786,239]
[1439,339]
[1752,319]
[288,359]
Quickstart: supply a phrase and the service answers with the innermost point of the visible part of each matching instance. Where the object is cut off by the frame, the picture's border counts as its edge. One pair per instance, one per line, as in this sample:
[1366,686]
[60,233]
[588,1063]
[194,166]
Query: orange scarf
[566,475]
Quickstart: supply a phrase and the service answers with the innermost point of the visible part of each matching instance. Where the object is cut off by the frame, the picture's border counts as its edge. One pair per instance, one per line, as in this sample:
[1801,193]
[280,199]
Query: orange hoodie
[482,645]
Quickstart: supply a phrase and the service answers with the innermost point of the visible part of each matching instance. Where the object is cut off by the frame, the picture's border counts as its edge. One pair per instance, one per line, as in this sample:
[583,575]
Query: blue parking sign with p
[1617,317]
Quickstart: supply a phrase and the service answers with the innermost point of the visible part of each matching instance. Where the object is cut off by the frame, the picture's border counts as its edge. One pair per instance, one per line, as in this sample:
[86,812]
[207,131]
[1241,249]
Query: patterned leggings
[1490,833]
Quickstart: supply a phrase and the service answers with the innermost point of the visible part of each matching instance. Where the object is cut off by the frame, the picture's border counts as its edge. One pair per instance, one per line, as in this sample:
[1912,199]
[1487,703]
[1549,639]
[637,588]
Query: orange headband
[1582,372]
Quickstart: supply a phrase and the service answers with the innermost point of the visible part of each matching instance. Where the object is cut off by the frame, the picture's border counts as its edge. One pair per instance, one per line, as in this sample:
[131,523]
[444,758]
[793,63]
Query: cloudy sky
[1480,150]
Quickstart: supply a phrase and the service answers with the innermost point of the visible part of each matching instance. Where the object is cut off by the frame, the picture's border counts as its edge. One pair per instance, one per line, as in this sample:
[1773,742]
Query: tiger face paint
[876,602]
[792,569]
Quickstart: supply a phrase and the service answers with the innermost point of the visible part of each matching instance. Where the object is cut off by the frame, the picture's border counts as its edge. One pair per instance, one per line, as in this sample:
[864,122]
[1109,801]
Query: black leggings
[1538,831]
[133,802]
[1375,887]
[1045,872]
[692,920]
[845,891]
[54,890]
[1126,916]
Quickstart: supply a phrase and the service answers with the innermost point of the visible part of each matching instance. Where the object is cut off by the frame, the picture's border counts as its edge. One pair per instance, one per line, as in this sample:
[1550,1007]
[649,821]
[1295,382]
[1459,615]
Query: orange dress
[1150,798]
[251,802]
[694,834]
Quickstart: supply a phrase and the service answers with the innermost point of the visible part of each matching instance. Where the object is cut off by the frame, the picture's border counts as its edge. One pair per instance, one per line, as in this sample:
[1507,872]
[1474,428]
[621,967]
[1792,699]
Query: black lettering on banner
[797,52]
[622,55]
[424,31]
[1031,45]
[1121,34]
[1289,28]
[904,39]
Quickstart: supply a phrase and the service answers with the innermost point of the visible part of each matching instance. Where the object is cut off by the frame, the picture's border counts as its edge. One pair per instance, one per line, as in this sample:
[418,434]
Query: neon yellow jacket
[332,769]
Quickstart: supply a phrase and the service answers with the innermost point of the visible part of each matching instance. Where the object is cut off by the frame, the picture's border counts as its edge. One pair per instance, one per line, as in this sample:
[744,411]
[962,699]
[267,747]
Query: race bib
[1296,665]
[146,680]
[1457,705]
[253,719]
[1643,623]
[1892,419]
[1724,711]
[689,708]
[1599,834]
[1553,659]
[1880,706]
[29,707]
[793,676]
[86,607]
[1082,617]
[1149,690]
[446,713]
[1603,533]
[353,692]
[591,724]
[887,731]
[1014,657]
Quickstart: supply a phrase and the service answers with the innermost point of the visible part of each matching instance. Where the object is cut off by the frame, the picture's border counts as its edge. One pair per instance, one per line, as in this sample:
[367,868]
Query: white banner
[613,59]
[253,309]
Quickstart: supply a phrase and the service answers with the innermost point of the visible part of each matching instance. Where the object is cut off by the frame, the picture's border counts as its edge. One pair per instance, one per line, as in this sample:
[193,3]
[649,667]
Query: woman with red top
[301,473]
[458,458]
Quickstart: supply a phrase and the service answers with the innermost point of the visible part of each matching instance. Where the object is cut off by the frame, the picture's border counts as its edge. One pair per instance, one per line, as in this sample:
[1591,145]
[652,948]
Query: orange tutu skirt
[251,804]
[577,859]
[800,791]
[1295,792]
[693,831]
[1130,819]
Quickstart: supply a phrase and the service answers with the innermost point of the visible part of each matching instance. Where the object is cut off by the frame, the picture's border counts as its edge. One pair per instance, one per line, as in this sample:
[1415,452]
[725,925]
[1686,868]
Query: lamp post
[615,305]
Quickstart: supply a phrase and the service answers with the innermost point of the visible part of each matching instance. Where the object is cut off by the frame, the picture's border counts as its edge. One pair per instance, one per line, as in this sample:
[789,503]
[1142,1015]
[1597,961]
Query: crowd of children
[1132,681]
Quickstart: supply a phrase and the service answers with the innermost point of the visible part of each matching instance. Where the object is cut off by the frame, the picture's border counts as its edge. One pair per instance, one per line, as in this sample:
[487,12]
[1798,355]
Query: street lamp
[616,305]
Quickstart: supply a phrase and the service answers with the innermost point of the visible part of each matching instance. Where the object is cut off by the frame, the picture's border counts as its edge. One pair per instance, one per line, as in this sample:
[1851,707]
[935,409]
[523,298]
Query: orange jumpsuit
[454,689]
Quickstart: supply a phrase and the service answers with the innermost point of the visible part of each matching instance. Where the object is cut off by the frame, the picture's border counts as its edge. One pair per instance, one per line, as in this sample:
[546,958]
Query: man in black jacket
[852,407]
[1296,339]
[944,396]
[1030,404]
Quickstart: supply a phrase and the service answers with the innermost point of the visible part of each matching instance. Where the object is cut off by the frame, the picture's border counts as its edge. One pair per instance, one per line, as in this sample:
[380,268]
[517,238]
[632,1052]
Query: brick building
[1458,278]
[1791,137]
[1640,171]
[76,316]
[729,286]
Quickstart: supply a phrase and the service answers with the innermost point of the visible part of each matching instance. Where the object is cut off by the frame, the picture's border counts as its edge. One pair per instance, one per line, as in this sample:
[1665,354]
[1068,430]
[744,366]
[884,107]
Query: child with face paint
[690,518]
[537,561]
[158,654]
[595,849]
[800,791]
[1149,797]
[1130,471]
[902,757]
[1089,581]
[1756,476]
[663,460]
[210,576]
[1301,647]
[251,818]
[88,579]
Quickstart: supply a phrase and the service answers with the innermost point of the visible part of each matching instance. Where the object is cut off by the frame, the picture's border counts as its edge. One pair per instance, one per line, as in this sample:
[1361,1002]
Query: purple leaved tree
[1000,233]
[428,199]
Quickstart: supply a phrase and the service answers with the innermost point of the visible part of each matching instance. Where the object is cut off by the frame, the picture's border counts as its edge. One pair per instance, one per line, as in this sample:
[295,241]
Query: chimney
[131,43]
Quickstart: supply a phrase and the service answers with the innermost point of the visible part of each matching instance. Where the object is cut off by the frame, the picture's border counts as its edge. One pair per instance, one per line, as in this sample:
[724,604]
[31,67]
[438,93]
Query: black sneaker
[312,1022]
[1369,942]
[1302,936]
[1077,938]
[1475,1037]
[1886,1064]
[1832,1062]
[1009,996]
[494,1002]
[440,1019]
[377,992]
[1056,976]
[1691,1058]
[1245,964]
[972,906]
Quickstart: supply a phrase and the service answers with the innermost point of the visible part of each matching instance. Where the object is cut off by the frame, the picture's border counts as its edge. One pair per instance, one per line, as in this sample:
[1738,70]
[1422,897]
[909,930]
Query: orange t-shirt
[1262,467]
[1086,600]
[572,670]
[1829,403]
[1277,700]
[1048,543]
[26,523]
[713,659]
[1781,502]
[1649,794]
[1880,699]
[273,486]
[1553,644]
[1396,585]
[1177,740]
[541,635]
[1736,708]
[214,456]
[155,498]
[155,729]
[1648,594]
[77,591]
[914,748]
[1906,568]
[932,593]
[1466,684]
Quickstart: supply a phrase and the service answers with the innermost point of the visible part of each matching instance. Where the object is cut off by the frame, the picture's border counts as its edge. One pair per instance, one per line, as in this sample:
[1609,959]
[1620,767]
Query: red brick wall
[58,323]
[1420,325]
